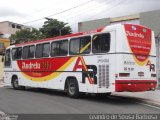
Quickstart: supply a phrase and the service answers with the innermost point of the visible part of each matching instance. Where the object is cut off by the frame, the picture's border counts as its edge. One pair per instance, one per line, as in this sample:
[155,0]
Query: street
[53,102]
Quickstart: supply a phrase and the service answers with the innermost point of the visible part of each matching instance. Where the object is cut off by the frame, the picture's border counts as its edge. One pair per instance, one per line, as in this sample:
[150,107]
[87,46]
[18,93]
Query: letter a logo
[78,65]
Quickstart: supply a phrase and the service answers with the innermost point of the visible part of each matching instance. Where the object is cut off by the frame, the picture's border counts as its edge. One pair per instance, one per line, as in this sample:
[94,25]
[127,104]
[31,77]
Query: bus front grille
[103,76]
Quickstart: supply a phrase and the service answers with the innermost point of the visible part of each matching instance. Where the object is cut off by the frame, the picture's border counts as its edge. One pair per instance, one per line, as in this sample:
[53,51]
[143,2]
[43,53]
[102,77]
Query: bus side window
[74,46]
[85,46]
[31,51]
[28,52]
[80,45]
[63,48]
[59,48]
[7,61]
[16,53]
[46,49]
[25,52]
[101,43]
[19,53]
[54,49]
[39,49]
[42,50]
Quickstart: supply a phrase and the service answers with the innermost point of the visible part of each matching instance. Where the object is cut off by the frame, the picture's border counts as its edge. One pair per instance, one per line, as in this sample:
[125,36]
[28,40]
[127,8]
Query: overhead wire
[119,3]
[93,7]
[84,11]
[60,12]
[46,8]
[100,6]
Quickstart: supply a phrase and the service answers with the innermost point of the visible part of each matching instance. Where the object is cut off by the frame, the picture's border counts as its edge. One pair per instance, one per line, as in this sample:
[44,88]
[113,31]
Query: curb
[4,116]
[2,113]
[151,102]
[143,100]
[2,85]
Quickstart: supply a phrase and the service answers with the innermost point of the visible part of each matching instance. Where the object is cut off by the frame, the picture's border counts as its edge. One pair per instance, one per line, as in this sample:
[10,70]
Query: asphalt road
[34,101]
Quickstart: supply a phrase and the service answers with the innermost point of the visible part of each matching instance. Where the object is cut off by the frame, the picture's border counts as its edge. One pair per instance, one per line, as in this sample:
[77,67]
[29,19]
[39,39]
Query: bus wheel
[15,84]
[72,88]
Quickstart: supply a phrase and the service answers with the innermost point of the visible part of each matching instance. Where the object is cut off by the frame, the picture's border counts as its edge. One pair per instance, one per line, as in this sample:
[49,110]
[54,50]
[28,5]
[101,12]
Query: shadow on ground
[111,99]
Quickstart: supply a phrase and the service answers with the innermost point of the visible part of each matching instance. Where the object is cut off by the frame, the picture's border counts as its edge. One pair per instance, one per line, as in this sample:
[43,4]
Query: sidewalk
[1,83]
[149,97]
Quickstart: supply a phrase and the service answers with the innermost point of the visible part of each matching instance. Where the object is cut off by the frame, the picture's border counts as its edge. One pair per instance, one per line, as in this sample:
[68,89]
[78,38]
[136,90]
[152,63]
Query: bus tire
[72,88]
[15,84]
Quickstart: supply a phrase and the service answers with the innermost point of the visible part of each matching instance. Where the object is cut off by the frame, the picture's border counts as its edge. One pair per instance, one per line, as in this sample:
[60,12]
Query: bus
[114,58]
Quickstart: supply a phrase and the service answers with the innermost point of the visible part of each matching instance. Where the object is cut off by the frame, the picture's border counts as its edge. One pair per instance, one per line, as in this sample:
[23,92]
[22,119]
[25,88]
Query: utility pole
[60,32]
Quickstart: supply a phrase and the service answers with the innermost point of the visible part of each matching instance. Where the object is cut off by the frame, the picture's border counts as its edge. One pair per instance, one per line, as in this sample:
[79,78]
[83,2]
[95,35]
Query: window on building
[28,52]
[18,27]
[59,48]
[16,53]
[1,45]
[80,45]
[101,43]
[28,28]
[13,26]
[2,48]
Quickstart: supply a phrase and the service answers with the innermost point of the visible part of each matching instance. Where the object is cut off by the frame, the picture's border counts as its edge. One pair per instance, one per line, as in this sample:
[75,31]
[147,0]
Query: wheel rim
[16,83]
[72,88]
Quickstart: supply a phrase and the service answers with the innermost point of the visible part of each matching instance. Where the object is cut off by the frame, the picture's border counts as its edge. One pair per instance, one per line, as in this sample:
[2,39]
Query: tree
[25,35]
[53,27]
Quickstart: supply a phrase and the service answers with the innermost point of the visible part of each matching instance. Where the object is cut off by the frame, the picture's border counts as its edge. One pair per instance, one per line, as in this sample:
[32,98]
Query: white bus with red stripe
[115,58]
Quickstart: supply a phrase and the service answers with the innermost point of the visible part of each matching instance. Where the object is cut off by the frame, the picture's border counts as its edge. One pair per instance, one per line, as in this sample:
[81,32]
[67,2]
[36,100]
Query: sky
[33,12]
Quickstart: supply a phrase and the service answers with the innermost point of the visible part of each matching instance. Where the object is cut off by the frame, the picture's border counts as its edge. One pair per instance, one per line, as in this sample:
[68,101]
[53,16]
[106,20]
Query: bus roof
[72,35]
[61,37]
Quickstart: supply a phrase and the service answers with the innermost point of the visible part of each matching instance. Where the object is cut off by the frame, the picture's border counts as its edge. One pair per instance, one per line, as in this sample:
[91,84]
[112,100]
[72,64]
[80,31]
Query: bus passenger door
[7,67]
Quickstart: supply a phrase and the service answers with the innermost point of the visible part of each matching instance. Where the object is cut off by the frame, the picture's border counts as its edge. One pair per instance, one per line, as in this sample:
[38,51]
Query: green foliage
[53,27]
[25,35]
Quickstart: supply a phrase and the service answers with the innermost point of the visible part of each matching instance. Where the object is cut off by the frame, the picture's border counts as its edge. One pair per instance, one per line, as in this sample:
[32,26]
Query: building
[6,29]
[150,19]
[4,43]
